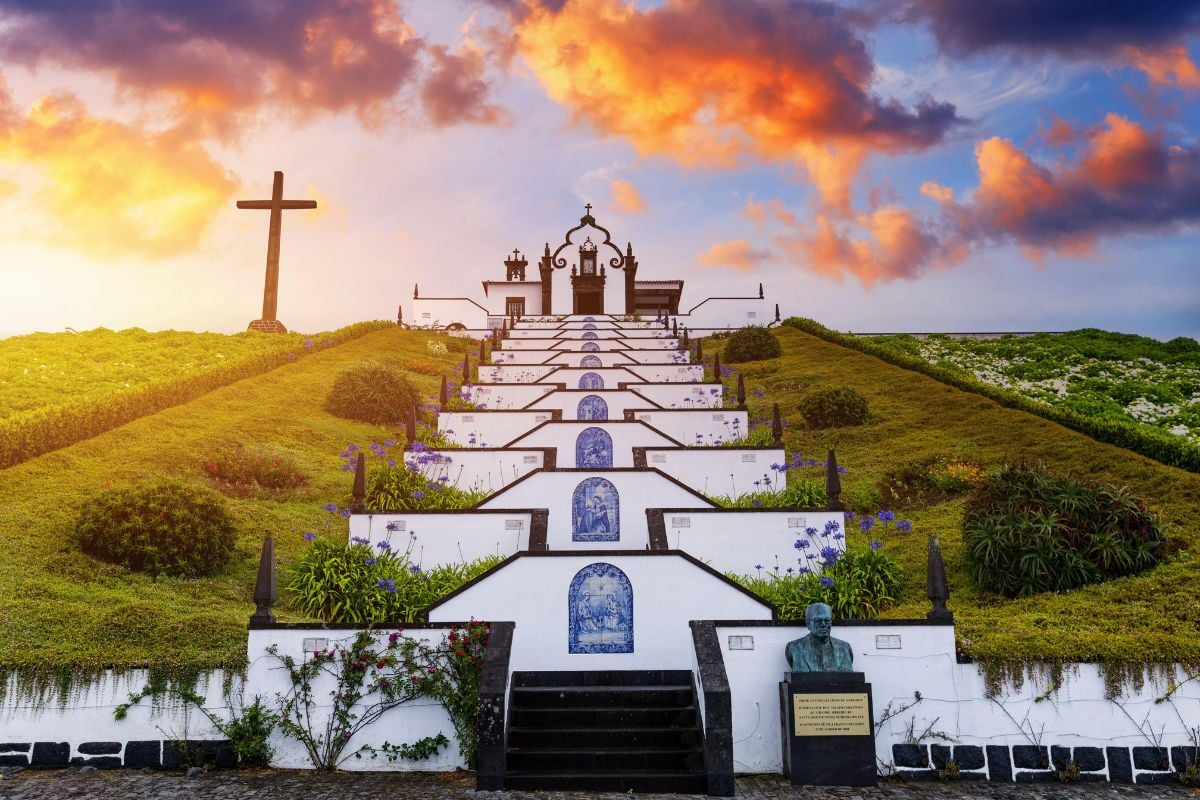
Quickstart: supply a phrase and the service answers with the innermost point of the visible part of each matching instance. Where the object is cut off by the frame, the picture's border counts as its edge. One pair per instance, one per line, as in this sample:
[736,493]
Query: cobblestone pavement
[301,785]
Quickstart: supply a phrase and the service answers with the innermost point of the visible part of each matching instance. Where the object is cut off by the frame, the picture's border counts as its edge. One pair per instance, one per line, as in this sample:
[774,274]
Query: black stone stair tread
[604,687]
[642,781]
[566,751]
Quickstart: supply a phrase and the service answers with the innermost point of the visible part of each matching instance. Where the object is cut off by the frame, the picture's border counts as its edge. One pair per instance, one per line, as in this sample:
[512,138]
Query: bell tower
[587,285]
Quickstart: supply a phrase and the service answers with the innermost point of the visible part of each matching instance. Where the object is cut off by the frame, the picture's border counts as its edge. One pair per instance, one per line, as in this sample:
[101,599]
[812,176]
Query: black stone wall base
[1089,759]
[144,755]
[214,752]
[50,754]
[15,747]
[14,760]
[99,748]
[998,762]
[968,757]
[1151,758]
[1182,757]
[99,762]
[1042,764]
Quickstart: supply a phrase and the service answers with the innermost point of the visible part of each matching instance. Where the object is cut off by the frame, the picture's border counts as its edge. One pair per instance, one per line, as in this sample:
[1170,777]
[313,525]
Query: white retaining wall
[510,396]
[433,539]
[482,470]
[761,543]
[536,589]
[562,435]
[717,313]
[721,471]
[681,395]
[568,402]
[692,427]
[488,428]
[636,492]
[436,312]
[404,724]
[898,660]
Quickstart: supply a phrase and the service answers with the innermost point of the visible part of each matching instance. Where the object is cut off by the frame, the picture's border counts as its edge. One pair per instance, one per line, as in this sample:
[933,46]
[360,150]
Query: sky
[879,165]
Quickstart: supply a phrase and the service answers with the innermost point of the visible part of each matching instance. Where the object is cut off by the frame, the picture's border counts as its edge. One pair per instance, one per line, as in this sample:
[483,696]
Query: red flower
[212,468]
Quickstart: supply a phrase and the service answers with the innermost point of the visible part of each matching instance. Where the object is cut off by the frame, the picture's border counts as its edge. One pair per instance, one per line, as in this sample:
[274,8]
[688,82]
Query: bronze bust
[818,651]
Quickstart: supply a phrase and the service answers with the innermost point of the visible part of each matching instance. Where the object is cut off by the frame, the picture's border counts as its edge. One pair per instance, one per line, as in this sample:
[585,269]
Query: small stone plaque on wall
[831,714]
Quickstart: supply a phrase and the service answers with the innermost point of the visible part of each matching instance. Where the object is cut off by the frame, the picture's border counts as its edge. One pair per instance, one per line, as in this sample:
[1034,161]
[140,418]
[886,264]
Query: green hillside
[61,611]
[1148,618]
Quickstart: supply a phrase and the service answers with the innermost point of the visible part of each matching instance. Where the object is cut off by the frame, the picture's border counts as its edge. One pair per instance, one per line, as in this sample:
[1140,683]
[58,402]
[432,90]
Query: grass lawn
[60,609]
[1124,623]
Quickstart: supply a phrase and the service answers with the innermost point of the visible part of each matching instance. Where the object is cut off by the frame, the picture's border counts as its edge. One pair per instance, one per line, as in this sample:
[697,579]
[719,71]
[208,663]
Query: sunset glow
[924,165]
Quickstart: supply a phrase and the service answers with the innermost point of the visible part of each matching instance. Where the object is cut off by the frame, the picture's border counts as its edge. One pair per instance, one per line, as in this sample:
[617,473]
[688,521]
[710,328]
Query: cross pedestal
[268,323]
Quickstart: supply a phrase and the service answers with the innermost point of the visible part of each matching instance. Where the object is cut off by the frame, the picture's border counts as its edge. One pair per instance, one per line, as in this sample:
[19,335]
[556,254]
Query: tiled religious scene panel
[594,449]
[592,407]
[600,611]
[595,511]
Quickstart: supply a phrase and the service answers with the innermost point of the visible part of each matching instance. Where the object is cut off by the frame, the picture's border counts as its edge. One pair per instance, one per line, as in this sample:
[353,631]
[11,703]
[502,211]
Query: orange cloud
[736,253]
[1167,66]
[455,90]
[625,198]
[889,243]
[711,83]
[113,190]
[217,64]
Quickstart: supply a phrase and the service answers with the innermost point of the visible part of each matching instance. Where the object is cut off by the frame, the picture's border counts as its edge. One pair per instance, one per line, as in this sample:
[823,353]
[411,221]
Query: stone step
[600,696]
[629,677]
[664,782]
[603,717]
[618,760]
[575,738]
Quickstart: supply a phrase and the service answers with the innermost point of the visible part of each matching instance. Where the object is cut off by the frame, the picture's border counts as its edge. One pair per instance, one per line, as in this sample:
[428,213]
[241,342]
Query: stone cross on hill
[268,323]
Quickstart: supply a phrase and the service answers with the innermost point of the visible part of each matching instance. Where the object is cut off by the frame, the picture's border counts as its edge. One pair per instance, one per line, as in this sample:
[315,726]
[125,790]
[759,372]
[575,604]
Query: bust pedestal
[827,729]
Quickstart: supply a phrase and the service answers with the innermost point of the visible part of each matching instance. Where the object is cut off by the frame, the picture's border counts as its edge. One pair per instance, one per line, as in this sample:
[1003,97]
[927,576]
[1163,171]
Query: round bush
[751,344]
[163,528]
[1027,531]
[372,393]
[834,407]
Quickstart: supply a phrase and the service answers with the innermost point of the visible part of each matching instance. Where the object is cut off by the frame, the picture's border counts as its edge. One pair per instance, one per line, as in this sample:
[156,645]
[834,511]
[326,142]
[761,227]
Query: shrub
[929,481]
[860,585]
[166,528]
[374,393]
[355,582]
[255,468]
[752,343]
[834,407]
[1027,531]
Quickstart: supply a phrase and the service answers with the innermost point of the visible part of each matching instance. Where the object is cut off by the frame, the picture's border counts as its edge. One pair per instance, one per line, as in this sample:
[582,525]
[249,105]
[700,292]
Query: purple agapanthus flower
[885,516]
[310,536]
[826,582]
[904,526]
[359,540]
[875,545]
[384,545]
[866,523]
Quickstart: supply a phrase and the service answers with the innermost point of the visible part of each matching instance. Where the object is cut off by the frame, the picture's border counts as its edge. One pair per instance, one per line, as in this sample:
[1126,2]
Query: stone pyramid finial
[410,428]
[936,588]
[776,426]
[741,392]
[444,394]
[360,484]
[264,587]
[833,484]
